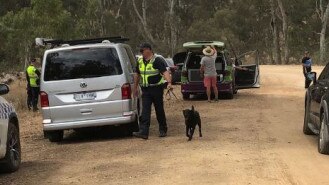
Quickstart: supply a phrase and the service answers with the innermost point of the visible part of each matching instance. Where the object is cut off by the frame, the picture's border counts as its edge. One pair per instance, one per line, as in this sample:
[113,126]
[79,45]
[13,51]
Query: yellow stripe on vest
[147,71]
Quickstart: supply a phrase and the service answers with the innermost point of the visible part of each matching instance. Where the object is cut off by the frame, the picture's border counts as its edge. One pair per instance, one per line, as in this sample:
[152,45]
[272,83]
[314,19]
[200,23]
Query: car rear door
[83,84]
[317,91]
[247,70]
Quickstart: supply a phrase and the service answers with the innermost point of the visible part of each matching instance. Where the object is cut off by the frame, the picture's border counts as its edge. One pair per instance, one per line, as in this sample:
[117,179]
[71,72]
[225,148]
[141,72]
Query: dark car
[229,78]
[316,110]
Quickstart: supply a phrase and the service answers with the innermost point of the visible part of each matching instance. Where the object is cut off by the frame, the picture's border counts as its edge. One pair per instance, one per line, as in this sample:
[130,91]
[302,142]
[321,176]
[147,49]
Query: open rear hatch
[193,67]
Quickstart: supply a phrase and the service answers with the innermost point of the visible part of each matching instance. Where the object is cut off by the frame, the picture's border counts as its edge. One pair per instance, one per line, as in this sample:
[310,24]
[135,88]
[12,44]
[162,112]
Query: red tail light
[44,99]
[126,92]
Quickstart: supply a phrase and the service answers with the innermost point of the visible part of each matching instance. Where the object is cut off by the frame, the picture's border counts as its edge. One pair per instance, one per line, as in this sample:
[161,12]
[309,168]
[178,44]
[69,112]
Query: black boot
[140,135]
[163,134]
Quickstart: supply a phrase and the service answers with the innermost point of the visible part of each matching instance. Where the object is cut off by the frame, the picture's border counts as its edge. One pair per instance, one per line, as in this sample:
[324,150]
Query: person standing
[151,72]
[307,68]
[208,71]
[29,96]
[33,81]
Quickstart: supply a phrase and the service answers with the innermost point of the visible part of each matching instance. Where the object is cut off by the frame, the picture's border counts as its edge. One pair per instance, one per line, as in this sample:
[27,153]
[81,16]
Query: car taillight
[44,99]
[126,92]
[184,73]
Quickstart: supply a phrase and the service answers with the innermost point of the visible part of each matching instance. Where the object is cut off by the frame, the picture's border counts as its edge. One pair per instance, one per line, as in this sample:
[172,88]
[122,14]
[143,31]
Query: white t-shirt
[209,65]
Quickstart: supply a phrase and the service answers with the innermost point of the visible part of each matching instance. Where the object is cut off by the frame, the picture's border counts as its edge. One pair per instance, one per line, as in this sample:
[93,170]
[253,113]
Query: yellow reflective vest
[33,76]
[146,71]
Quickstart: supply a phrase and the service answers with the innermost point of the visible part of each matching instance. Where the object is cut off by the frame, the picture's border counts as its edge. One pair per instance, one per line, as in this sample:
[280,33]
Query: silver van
[87,84]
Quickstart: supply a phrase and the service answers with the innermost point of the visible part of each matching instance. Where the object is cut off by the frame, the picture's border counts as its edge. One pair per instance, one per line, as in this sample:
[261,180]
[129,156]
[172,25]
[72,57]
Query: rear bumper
[198,87]
[48,126]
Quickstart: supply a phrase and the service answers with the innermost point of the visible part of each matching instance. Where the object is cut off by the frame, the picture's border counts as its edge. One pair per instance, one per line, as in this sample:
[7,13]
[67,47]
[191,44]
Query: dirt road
[254,139]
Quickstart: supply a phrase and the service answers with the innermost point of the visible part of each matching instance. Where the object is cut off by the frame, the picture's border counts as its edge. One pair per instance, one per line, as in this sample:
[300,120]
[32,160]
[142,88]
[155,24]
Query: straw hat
[208,51]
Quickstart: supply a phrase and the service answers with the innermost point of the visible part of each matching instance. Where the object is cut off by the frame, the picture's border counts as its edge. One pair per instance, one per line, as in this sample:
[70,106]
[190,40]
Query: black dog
[192,118]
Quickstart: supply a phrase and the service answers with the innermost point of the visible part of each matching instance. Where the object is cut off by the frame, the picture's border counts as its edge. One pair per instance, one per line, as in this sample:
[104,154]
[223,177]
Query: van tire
[186,96]
[12,159]
[54,136]
[229,96]
[306,128]
[323,139]
[134,126]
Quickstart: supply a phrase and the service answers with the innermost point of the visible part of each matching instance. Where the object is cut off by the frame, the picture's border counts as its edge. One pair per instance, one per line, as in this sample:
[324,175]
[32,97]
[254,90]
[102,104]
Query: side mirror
[312,76]
[4,89]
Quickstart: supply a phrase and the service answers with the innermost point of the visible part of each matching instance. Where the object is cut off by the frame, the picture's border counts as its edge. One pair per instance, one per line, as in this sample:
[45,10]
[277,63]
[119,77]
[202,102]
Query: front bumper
[49,126]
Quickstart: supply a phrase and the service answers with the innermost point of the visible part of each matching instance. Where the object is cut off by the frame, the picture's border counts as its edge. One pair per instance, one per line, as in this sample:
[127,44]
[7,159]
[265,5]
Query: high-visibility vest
[146,71]
[33,76]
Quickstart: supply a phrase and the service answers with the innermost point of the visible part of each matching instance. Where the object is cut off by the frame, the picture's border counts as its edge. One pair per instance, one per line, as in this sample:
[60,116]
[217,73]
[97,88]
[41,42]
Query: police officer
[150,74]
[33,81]
[307,68]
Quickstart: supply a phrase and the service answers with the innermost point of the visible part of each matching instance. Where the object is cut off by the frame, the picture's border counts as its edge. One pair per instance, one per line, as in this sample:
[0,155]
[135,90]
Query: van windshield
[82,63]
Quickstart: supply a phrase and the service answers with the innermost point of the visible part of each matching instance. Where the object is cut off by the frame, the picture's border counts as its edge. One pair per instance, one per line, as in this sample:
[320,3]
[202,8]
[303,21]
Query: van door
[247,70]
[131,63]
[83,83]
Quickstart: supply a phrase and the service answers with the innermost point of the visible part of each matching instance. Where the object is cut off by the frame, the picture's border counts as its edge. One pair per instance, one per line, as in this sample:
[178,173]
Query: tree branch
[137,12]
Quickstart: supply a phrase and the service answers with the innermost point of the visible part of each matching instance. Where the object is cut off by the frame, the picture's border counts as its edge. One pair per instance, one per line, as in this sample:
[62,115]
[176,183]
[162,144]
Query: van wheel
[186,96]
[306,129]
[134,126]
[235,91]
[54,136]
[12,160]
[229,95]
[323,143]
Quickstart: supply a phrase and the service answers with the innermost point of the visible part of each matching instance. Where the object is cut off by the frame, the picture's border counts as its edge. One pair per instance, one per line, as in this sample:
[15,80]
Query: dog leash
[170,93]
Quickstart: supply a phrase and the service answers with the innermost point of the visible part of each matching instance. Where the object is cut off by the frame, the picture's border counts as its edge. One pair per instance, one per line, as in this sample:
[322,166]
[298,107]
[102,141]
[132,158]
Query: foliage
[246,24]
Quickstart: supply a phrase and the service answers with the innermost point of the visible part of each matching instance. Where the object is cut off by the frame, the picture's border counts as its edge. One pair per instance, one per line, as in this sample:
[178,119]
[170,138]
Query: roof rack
[54,43]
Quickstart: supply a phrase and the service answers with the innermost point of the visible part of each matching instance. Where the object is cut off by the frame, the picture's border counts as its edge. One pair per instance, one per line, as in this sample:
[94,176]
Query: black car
[316,110]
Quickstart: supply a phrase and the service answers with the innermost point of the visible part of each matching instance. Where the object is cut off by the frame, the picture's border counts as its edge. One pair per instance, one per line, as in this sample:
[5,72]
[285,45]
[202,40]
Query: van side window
[132,58]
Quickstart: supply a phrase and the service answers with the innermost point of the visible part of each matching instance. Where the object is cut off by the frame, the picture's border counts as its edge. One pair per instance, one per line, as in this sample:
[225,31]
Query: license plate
[85,96]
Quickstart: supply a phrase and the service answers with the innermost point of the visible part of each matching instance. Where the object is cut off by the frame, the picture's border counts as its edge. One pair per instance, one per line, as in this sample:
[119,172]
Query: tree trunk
[275,34]
[143,19]
[324,21]
[173,36]
[284,31]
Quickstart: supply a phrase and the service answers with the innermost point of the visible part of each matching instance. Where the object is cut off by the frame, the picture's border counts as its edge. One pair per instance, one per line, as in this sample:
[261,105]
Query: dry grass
[18,95]
[30,122]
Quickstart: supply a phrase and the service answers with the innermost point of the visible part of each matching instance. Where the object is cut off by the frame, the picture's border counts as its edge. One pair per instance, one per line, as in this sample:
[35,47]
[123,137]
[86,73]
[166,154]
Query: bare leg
[209,93]
[216,92]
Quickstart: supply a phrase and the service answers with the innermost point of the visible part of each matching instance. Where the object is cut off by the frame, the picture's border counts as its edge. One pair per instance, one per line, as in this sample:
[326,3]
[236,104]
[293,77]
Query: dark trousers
[152,95]
[35,97]
[29,98]
[307,81]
